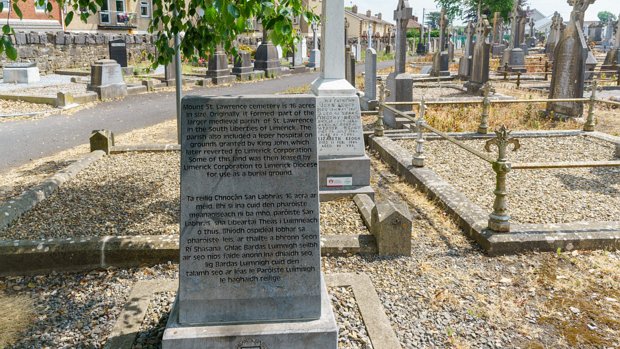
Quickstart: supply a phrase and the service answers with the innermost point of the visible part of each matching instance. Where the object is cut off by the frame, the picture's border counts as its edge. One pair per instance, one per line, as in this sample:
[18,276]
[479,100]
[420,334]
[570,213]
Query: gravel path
[447,295]
[12,110]
[341,217]
[536,196]
[51,90]
[115,197]
[46,80]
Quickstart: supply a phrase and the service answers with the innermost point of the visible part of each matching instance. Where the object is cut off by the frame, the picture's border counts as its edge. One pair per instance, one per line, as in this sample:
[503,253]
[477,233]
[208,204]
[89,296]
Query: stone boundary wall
[63,50]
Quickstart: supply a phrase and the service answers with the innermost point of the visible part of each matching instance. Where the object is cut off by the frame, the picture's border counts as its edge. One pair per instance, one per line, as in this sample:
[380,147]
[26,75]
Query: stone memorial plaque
[118,51]
[339,126]
[250,249]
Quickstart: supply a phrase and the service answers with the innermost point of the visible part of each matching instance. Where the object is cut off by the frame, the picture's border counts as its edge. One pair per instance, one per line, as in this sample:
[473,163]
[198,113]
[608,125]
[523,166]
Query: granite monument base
[515,60]
[357,168]
[401,87]
[298,69]
[267,60]
[21,74]
[253,75]
[225,79]
[110,91]
[525,48]
[441,64]
[321,333]
[498,50]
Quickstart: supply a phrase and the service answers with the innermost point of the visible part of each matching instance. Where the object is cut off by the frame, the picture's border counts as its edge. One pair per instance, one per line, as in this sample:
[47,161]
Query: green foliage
[606,16]
[468,9]
[432,19]
[205,24]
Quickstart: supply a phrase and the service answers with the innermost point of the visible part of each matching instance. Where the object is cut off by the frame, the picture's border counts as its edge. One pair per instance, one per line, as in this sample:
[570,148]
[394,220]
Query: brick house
[34,17]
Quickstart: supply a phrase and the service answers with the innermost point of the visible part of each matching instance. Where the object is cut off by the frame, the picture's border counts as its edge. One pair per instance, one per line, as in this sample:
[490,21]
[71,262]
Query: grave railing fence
[499,219]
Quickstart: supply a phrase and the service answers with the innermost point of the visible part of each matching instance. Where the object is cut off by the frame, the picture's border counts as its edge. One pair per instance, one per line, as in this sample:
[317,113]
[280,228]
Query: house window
[120,5]
[40,7]
[144,9]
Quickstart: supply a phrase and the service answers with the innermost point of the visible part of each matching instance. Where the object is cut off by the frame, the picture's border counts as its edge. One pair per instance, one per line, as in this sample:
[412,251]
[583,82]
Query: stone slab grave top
[250,248]
[20,73]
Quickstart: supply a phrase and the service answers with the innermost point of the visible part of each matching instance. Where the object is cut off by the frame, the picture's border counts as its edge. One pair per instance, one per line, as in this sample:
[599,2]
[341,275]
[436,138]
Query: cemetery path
[27,140]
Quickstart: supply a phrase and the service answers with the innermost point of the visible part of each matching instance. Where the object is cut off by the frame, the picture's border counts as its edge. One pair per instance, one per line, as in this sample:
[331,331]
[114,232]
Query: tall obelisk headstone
[399,82]
[557,27]
[441,62]
[569,66]
[514,57]
[465,61]
[250,267]
[498,35]
[315,54]
[612,59]
[481,56]
[344,167]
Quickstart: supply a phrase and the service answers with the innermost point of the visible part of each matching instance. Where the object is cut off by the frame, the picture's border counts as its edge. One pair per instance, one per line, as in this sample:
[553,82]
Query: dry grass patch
[17,312]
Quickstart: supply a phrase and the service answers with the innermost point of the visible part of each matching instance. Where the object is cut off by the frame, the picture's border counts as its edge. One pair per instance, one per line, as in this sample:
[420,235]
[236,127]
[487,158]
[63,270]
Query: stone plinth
[170,74]
[21,73]
[106,79]
[218,69]
[401,87]
[441,64]
[513,61]
[250,267]
[267,59]
[320,333]
[498,50]
[243,69]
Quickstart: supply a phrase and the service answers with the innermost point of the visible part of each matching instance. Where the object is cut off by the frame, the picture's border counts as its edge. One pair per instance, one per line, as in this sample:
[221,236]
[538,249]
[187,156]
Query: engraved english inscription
[339,126]
[250,247]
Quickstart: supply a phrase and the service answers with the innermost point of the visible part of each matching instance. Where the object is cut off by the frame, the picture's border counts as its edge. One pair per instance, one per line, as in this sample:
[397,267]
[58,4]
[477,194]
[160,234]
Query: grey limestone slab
[319,333]
[250,247]
[339,125]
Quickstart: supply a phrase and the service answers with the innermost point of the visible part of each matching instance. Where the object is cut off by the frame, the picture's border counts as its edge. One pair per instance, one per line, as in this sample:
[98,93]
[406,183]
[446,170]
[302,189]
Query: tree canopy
[468,9]
[203,24]
[606,16]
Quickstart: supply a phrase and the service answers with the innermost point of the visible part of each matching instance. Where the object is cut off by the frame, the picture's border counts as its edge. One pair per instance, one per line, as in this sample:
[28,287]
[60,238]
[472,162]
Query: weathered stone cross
[402,15]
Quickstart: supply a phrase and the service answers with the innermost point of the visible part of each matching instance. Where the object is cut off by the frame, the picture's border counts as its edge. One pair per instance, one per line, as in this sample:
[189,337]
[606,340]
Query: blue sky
[547,7]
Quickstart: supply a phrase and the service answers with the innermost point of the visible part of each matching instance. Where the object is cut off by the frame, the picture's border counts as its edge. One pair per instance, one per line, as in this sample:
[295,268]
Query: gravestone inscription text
[340,126]
[250,247]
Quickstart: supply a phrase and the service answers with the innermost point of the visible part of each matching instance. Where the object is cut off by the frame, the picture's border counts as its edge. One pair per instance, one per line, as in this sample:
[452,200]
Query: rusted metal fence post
[418,158]
[518,79]
[499,220]
[546,70]
[506,71]
[486,106]
[590,123]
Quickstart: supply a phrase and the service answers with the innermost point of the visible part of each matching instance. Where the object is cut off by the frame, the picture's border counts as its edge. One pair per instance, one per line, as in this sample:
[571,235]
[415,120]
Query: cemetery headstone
[450,49]
[612,59]
[106,79]
[557,27]
[595,32]
[514,56]
[344,167]
[297,64]
[20,73]
[481,57]
[498,35]
[267,58]
[315,54]
[369,100]
[249,272]
[243,68]
[531,41]
[218,70]
[465,62]
[441,61]
[399,82]
[523,20]
[117,50]
[170,74]
[569,66]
